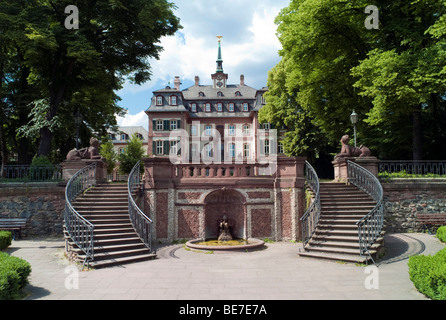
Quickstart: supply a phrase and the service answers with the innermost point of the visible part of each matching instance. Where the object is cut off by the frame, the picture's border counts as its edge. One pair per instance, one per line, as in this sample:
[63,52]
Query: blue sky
[249,47]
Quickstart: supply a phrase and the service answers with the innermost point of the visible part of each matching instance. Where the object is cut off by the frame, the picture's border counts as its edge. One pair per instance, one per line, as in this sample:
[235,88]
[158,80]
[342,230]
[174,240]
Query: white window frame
[245,107]
[246,150]
[173,100]
[266,147]
[207,107]
[193,107]
[207,130]
[173,124]
[193,130]
[231,129]
[246,129]
[159,100]
[159,147]
[231,107]
[220,107]
[232,150]
[173,147]
[159,125]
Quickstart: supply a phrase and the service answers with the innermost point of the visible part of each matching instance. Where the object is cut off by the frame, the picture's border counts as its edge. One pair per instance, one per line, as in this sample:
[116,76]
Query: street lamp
[78,120]
[354,119]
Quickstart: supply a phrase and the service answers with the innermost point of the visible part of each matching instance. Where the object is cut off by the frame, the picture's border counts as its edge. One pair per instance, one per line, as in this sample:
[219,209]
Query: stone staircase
[336,236]
[115,240]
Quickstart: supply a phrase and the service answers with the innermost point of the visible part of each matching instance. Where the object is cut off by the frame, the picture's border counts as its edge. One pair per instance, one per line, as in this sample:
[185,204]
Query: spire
[219,59]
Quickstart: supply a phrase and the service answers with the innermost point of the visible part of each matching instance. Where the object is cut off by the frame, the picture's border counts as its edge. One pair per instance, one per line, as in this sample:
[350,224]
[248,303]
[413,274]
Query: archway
[227,202]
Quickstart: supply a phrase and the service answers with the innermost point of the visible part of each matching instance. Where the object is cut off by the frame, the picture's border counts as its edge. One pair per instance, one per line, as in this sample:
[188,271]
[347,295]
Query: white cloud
[249,45]
[139,119]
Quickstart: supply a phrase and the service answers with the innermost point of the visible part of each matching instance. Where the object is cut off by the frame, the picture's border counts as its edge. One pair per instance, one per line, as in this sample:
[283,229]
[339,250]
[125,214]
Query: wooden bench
[434,219]
[13,224]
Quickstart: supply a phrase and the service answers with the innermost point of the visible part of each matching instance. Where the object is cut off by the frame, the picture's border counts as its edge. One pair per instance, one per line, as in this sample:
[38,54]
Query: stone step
[120,261]
[334,256]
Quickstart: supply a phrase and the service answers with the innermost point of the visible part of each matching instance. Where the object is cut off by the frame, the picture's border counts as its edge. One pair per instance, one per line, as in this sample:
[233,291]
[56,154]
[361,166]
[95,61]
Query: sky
[249,47]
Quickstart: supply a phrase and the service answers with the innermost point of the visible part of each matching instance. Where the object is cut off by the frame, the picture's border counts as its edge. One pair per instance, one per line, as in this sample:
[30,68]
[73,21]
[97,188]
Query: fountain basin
[232,245]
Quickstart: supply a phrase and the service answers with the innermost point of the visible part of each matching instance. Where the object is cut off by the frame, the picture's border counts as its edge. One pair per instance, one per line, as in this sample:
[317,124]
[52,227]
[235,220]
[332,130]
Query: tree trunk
[417,138]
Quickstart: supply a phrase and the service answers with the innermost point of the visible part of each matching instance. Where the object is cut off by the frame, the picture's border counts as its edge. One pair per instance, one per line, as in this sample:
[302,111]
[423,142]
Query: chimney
[177,83]
[197,81]
[242,80]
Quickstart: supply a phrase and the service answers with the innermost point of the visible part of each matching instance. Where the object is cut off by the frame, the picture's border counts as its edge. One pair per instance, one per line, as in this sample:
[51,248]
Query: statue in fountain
[225,234]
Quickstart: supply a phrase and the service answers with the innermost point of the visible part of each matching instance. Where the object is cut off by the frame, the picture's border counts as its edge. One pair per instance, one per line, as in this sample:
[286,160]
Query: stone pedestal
[340,166]
[70,167]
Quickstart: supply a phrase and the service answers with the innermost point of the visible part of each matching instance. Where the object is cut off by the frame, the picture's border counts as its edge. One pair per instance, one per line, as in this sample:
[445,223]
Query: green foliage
[394,77]
[14,273]
[132,154]
[109,154]
[441,233]
[428,274]
[403,174]
[5,239]
[48,72]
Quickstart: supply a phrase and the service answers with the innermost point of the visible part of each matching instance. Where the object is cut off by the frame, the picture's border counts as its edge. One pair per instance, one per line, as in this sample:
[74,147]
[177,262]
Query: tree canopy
[393,77]
[52,71]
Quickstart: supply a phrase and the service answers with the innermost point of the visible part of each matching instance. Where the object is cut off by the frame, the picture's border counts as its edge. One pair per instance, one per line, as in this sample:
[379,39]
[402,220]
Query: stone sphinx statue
[350,151]
[91,153]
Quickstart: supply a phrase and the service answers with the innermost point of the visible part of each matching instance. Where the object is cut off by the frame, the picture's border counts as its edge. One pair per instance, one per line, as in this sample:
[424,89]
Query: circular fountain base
[232,245]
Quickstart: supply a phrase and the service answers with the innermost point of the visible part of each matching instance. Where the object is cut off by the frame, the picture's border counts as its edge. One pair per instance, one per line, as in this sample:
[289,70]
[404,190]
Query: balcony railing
[413,167]
[223,170]
[30,173]
[311,217]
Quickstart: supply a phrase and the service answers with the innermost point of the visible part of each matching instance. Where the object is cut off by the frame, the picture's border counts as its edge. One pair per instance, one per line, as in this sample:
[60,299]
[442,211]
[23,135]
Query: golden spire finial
[219,38]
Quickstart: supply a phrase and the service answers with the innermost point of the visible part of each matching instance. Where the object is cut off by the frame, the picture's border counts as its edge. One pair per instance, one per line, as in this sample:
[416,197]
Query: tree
[82,68]
[389,76]
[109,154]
[132,154]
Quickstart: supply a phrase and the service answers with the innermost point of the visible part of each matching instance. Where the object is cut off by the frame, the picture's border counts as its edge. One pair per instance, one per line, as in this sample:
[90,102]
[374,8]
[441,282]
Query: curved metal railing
[370,226]
[311,217]
[80,229]
[141,223]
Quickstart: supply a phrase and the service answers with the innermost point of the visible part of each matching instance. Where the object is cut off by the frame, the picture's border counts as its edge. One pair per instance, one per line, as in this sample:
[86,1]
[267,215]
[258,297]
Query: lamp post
[78,120]
[354,119]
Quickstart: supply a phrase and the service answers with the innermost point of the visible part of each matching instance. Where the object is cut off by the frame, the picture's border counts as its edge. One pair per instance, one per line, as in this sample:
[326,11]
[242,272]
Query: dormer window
[193,107]
[159,100]
[238,94]
[208,107]
[219,94]
[245,107]
[173,100]
[124,136]
[220,107]
[231,107]
[201,94]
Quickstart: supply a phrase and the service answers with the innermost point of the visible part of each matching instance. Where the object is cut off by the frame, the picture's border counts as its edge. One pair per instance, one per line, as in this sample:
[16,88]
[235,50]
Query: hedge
[441,233]
[14,273]
[428,274]
[5,239]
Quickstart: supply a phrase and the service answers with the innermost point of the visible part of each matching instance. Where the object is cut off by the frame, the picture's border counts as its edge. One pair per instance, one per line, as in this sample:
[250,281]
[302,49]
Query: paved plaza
[274,273]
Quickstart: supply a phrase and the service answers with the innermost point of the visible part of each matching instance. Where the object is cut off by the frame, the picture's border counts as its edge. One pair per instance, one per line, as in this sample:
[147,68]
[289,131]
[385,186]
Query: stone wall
[41,203]
[405,198]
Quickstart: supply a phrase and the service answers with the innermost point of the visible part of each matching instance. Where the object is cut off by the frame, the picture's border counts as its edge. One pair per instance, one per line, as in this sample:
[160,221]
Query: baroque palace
[210,157]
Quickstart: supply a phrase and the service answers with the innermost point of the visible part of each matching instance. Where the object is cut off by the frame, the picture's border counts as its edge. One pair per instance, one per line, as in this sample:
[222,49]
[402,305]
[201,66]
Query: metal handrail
[80,229]
[311,217]
[32,173]
[370,226]
[141,223]
[421,167]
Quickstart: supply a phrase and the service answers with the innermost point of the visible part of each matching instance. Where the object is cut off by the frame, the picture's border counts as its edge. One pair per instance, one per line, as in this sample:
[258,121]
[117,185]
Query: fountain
[225,240]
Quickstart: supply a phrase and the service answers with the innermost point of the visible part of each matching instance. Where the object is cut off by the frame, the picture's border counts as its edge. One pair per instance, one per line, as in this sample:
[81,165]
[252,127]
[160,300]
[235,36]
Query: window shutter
[262,147]
[154,148]
[178,124]
[179,147]
[166,147]
[154,125]
[166,126]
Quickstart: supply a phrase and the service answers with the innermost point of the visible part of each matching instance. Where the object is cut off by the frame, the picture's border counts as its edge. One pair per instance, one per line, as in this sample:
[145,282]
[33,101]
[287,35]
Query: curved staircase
[115,240]
[336,235]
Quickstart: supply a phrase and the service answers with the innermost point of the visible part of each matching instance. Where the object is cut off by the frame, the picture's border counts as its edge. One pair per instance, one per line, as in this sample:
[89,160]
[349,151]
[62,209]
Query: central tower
[219,78]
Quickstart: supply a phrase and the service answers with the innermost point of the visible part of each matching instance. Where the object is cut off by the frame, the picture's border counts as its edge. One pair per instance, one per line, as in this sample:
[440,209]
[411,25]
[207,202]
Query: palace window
[266,148]
[232,150]
[193,107]
[173,100]
[159,100]
[238,94]
[232,130]
[173,124]
[208,150]
[246,150]
[193,130]
[231,107]
[173,147]
[159,125]
[159,147]
[201,94]
[219,94]
[207,130]
[245,107]
[220,107]
[246,129]
[279,147]
[208,107]
[124,136]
